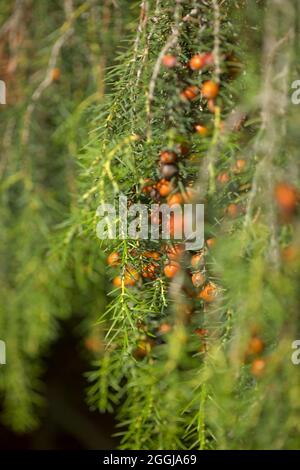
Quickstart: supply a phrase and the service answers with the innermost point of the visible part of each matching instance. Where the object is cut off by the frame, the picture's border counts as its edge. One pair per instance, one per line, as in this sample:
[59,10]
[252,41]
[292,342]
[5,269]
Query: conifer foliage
[193,348]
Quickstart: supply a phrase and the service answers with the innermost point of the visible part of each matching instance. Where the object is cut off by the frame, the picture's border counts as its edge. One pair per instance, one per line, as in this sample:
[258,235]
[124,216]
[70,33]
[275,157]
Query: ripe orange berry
[148,185]
[113,259]
[197,62]
[256,346]
[223,178]
[258,366]
[202,130]
[55,74]
[149,271]
[164,187]
[164,328]
[232,210]
[176,198]
[190,93]
[174,252]
[201,332]
[167,157]
[208,58]
[117,282]
[240,164]
[208,294]
[169,61]
[197,261]
[287,197]
[210,90]
[198,279]
[152,254]
[211,242]
[171,269]
[131,276]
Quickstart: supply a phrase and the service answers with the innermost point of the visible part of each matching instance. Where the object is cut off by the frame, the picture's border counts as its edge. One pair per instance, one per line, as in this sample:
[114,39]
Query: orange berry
[190,93]
[202,130]
[232,210]
[198,279]
[149,271]
[208,58]
[117,282]
[175,199]
[287,197]
[210,90]
[164,187]
[55,74]
[201,332]
[167,157]
[211,242]
[240,164]
[197,260]
[223,178]
[164,328]
[174,252]
[152,254]
[169,61]
[256,346]
[148,185]
[258,366]
[208,294]
[113,259]
[131,276]
[197,62]
[171,269]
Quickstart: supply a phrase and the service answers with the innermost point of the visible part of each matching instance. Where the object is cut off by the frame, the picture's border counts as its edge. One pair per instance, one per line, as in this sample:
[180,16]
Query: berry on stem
[55,74]
[223,178]
[174,199]
[190,93]
[197,260]
[169,61]
[258,367]
[256,346]
[210,90]
[197,62]
[164,187]
[171,269]
[208,294]
[287,197]
[198,279]
[202,130]
[113,259]
[174,252]
[167,157]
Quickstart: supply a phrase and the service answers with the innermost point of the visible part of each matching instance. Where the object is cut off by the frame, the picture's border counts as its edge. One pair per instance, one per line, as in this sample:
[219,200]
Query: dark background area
[66,423]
